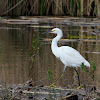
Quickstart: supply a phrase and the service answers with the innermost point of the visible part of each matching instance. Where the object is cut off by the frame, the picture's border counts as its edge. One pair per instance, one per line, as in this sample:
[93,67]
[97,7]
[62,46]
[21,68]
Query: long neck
[55,40]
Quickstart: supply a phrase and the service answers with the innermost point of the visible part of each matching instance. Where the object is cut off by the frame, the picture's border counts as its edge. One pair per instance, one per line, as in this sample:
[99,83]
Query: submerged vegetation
[50,7]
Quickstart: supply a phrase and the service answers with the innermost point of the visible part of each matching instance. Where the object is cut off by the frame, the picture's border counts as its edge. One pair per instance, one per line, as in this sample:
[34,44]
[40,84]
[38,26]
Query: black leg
[77,76]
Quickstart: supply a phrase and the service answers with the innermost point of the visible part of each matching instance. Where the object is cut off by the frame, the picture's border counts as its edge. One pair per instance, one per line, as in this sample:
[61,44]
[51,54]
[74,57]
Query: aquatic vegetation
[93,69]
[50,7]
[83,67]
[34,49]
[50,74]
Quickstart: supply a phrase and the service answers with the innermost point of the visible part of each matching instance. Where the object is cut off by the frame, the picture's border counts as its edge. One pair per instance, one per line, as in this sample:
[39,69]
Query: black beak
[47,32]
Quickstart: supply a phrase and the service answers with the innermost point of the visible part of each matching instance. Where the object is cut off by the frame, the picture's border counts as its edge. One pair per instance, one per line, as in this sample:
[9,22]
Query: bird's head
[55,31]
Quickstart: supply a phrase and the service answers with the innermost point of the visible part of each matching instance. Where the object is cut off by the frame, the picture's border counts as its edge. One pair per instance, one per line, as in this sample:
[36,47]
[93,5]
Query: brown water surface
[16,41]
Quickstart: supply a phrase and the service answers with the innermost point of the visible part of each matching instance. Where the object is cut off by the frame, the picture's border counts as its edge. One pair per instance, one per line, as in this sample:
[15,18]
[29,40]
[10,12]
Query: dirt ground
[28,92]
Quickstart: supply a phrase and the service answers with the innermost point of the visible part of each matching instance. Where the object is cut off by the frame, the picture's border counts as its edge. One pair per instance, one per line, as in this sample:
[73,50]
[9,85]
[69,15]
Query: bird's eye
[53,30]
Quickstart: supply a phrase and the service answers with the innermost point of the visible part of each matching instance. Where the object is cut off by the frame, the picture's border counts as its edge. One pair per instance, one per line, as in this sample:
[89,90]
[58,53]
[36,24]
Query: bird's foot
[80,88]
[52,85]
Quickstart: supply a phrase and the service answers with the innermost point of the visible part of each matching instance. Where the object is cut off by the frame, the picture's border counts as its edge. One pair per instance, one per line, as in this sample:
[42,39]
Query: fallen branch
[40,92]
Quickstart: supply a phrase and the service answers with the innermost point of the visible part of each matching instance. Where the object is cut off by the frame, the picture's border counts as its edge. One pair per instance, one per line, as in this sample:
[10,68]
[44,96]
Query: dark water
[16,41]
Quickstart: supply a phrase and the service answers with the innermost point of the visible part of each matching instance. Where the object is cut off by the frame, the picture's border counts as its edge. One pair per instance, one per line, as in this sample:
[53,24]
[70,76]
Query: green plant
[50,74]
[92,71]
[34,49]
[83,67]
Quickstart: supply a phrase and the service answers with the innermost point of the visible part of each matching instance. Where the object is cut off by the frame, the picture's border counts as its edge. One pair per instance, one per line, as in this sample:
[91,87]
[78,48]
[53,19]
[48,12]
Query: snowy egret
[68,55]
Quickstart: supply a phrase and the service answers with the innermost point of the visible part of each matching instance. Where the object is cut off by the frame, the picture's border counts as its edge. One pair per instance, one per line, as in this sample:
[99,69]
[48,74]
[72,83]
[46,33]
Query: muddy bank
[28,92]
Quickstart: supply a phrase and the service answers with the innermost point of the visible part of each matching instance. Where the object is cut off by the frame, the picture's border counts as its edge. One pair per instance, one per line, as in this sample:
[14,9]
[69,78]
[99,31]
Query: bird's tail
[87,64]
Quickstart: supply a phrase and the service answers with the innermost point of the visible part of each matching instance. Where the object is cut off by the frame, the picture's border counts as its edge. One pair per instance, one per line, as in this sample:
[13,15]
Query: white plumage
[68,55]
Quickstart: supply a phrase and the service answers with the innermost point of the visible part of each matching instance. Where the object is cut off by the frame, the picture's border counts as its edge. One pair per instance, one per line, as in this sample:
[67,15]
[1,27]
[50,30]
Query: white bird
[68,55]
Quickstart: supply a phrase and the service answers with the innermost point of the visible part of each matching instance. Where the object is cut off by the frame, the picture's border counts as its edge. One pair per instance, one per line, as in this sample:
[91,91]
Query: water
[16,41]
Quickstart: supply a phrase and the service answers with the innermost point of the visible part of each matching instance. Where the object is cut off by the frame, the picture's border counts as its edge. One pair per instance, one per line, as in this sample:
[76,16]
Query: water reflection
[16,41]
